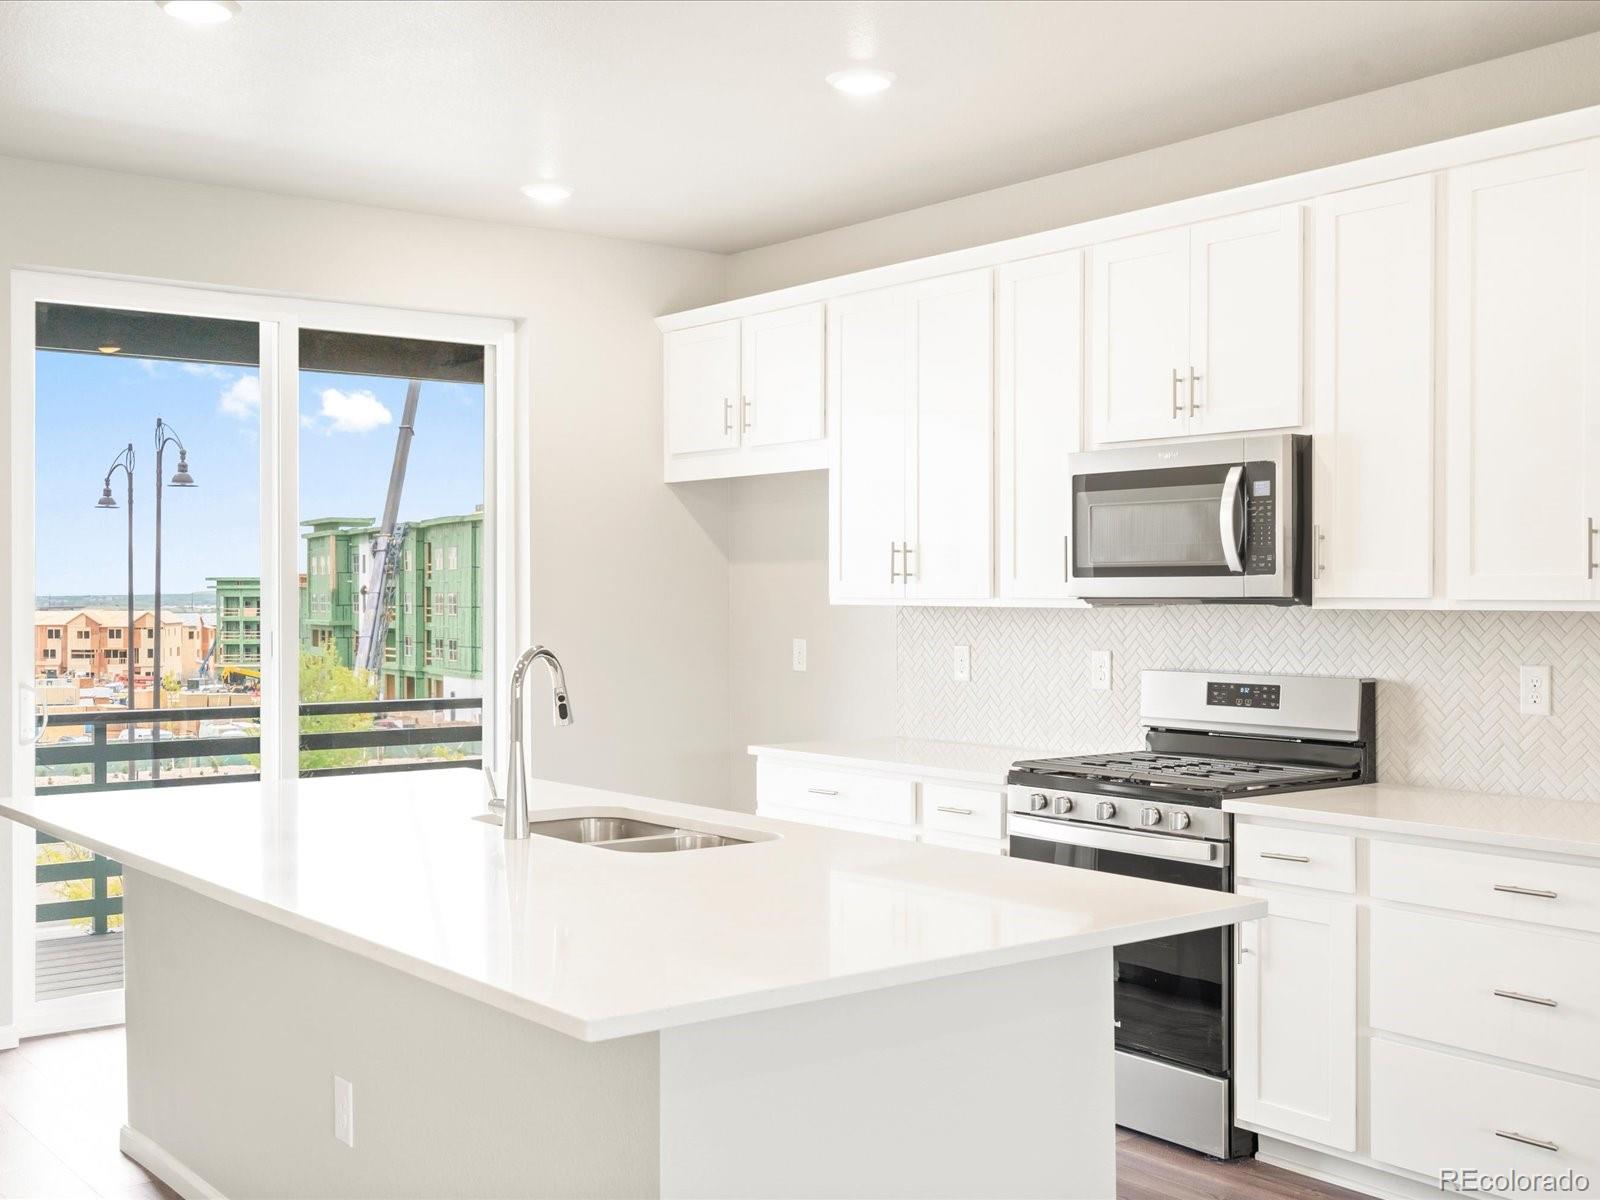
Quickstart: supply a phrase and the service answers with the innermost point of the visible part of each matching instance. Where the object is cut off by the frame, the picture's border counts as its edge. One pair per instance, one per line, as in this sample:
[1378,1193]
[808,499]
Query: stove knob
[1150,816]
[1063,805]
[1038,802]
[1180,820]
[1106,810]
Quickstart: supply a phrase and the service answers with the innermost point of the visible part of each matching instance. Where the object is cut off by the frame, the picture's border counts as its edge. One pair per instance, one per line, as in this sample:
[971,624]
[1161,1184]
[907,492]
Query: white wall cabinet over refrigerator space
[745,397]
[911,398]
[1198,330]
[1523,375]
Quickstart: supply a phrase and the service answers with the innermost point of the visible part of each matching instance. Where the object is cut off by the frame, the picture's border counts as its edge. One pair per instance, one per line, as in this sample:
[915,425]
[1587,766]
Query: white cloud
[353,412]
[205,370]
[241,398]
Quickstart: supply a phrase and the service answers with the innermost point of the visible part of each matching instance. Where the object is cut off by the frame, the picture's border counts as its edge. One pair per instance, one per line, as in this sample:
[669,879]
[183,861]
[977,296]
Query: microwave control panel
[1260,508]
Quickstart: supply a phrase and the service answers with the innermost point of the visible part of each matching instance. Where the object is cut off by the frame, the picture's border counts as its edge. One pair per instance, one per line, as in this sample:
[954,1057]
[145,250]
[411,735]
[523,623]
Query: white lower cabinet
[1295,1013]
[964,816]
[1478,974]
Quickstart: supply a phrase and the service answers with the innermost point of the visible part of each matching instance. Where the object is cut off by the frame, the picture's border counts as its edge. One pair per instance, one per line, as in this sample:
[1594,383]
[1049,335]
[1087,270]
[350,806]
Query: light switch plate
[1100,670]
[799,654]
[961,664]
[1535,691]
[344,1111]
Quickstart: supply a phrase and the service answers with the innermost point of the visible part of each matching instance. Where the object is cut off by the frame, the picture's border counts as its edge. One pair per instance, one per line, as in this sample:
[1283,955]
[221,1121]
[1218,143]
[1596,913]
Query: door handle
[28,710]
[1193,379]
[1230,527]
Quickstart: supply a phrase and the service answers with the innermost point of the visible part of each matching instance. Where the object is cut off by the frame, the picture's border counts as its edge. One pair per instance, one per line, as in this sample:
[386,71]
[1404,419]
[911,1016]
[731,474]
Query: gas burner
[1187,771]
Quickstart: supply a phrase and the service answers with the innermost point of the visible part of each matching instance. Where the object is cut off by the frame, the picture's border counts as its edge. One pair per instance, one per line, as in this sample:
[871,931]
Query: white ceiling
[696,124]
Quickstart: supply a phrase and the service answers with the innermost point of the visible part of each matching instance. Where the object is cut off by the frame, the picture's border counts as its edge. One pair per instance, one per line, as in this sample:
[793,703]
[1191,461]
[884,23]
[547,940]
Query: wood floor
[63,1101]
[77,963]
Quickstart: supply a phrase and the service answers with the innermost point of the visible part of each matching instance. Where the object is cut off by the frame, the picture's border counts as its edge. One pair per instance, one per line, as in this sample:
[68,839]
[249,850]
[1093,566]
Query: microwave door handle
[1228,517]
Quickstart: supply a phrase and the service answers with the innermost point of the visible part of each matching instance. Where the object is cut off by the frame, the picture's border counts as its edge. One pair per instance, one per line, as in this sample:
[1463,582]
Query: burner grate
[1184,770]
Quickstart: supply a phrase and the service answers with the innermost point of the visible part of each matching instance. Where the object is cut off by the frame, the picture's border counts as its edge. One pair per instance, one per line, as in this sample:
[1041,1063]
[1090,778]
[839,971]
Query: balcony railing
[100,752]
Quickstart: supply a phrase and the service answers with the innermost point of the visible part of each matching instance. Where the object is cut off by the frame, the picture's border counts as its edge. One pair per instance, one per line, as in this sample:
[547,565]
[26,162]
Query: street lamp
[165,436]
[124,463]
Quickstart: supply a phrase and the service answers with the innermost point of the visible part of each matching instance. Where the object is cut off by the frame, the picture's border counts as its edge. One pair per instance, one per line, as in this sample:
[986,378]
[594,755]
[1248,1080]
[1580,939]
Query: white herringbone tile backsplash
[1447,681]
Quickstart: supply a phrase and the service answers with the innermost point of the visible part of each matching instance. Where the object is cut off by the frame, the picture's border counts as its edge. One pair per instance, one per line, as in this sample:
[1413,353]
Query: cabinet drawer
[880,798]
[1530,997]
[806,816]
[976,812]
[1496,885]
[1297,856]
[1433,1112]
[960,841]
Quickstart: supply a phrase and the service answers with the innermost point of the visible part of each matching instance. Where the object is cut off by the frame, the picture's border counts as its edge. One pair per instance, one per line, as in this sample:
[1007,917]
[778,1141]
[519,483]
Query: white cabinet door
[1523,352]
[1294,1051]
[1139,356]
[869,397]
[950,536]
[1373,444]
[1039,339]
[1245,332]
[702,384]
[782,368]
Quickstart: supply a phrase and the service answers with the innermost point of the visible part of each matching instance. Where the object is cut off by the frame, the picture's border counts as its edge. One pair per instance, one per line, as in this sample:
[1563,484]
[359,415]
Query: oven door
[1202,520]
[1171,993]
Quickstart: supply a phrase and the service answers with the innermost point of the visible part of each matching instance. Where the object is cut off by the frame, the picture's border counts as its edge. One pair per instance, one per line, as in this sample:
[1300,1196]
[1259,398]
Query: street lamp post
[124,463]
[165,436]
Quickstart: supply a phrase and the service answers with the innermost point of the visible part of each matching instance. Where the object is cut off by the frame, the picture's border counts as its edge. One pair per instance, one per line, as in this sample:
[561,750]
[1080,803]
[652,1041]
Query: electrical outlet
[799,654]
[344,1111]
[1100,670]
[961,664]
[1535,688]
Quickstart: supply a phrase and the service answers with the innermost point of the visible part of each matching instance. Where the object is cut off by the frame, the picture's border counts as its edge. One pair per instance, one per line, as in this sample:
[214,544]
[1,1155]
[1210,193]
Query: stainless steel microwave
[1219,521]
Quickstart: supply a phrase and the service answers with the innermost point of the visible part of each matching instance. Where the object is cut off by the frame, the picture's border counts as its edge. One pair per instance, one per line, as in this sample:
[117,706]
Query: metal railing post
[100,744]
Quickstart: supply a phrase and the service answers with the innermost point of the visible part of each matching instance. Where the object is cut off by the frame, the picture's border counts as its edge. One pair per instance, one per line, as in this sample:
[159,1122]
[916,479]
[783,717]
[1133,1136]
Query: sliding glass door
[254,540]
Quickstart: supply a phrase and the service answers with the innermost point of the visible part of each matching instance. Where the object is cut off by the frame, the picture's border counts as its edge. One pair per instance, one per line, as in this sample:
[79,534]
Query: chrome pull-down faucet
[515,825]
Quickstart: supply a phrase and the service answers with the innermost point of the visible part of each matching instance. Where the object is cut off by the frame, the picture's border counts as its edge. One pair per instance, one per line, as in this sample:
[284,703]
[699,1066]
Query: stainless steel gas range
[1157,814]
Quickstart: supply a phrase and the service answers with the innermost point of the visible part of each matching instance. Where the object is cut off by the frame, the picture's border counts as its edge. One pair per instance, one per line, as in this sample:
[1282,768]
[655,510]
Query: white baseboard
[92,1010]
[1355,1173]
[165,1167]
[9,1037]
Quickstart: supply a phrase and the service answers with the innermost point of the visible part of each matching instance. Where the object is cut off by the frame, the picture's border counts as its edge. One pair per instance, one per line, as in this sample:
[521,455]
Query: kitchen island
[803,1012]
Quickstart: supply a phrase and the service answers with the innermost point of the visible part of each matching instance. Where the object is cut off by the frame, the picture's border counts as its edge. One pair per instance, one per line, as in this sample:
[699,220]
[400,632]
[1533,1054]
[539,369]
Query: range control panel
[1243,695]
[1260,486]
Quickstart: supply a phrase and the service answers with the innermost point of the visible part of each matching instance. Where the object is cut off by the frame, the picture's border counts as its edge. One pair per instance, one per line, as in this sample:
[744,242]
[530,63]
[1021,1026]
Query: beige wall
[773,597]
[629,577]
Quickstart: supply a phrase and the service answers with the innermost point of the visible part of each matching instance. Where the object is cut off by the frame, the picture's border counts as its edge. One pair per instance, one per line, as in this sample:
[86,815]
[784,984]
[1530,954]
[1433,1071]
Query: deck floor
[79,963]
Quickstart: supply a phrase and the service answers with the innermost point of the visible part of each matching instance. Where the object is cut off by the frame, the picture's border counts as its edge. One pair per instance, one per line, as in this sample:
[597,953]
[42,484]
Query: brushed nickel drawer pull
[894,549]
[1526,999]
[1537,1143]
[1512,889]
[960,812]
[727,416]
[823,791]
[1276,857]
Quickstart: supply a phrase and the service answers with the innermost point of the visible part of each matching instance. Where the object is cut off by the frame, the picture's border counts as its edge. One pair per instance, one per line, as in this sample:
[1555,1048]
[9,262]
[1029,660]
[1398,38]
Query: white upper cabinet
[782,372]
[1198,330]
[1372,390]
[1140,349]
[1245,324]
[1522,409]
[911,402]
[869,397]
[1039,347]
[702,386]
[950,539]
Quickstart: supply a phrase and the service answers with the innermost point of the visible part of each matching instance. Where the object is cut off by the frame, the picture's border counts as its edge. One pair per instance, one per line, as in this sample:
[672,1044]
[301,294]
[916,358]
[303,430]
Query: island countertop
[598,943]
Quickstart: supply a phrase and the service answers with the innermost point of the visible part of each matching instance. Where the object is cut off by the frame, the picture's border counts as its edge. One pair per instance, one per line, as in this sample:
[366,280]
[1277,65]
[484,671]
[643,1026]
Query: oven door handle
[1146,845]
[1230,526]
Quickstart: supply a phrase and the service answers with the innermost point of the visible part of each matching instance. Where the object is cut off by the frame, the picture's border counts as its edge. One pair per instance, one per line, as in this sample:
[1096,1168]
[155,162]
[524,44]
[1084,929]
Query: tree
[323,679]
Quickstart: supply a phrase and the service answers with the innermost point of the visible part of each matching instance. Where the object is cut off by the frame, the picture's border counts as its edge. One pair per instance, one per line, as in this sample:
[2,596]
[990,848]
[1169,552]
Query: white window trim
[506,574]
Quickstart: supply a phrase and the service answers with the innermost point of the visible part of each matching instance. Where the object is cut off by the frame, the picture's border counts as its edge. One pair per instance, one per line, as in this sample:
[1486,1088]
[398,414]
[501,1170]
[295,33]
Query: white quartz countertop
[1507,822]
[963,762]
[598,943]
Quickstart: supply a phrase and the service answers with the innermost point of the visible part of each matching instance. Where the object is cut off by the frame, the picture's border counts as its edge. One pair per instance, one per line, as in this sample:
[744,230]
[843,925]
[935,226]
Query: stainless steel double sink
[626,833]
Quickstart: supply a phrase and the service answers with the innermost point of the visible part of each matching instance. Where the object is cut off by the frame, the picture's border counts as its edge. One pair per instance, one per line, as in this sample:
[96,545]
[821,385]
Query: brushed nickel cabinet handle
[1537,1143]
[1318,538]
[1526,999]
[960,812]
[1177,409]
[1194,378]
[1588,550]
[727,416]
[823,791]
[1512,889]
[1066,558]
[1276,857]
[894,548]
[906,552]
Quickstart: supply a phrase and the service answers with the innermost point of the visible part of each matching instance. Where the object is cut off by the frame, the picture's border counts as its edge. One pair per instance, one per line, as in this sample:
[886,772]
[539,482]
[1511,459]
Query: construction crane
[378,587]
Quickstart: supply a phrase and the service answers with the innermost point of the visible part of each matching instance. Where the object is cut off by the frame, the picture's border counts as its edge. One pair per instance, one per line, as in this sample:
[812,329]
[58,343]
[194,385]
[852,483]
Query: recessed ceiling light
[200,12]
[547,191]
[862,81]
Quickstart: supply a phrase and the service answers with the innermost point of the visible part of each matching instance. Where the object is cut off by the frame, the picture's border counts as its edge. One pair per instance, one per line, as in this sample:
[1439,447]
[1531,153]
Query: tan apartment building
[90,644]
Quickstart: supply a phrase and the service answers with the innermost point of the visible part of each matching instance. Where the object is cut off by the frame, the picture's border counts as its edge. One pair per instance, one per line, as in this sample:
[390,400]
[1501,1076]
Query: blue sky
[89,407]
